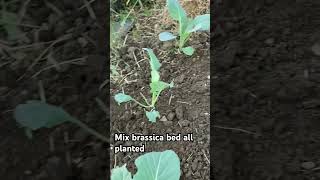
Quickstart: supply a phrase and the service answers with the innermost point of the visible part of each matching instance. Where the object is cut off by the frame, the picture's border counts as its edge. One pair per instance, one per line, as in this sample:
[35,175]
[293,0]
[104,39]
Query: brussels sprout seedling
[186,26]
[36,115]
[156,87]
[151,166]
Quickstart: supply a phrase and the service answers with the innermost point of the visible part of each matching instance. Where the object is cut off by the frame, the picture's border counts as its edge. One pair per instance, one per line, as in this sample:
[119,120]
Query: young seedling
[36,115]
[186,26]
[151,166]
[156,87]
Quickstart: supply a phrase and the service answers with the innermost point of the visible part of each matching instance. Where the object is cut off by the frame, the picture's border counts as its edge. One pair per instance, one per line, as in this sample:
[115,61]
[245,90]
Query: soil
[184,108]
[266,80]
[71,153]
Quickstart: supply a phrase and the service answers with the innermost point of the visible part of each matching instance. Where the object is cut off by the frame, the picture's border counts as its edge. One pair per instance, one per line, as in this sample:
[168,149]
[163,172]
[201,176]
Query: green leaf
[188,50]
[166,36]
[120,173]
[158,166]
[154,62]
[152,115]
[200,23]
[157,87]
[155,76]
[176,11]
[36,114]
[121,97]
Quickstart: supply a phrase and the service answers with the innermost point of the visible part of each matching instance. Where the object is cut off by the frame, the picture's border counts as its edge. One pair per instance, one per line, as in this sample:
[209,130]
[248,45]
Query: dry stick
[103,84]
[85,5]
[102,106]
[62,63]
[51,144]
[204,153]
[23,10]
[54,8]
[3,64]
[91,131]
[236,129]
[41,91]
[90,10]
[20,24]
[63,38]
[67,154]
[29,46]
[52,60]
[135,58]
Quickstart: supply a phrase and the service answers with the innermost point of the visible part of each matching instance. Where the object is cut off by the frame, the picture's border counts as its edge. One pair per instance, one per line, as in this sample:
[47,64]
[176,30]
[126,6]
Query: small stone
[308,165]
[184,123]
[163,119]
[316,49]
[167,45]
[168,123]
[194,165]
[82,41]
[27,172]
[171,116]
[131,49]
[180,79]
[179,112]
[269,41]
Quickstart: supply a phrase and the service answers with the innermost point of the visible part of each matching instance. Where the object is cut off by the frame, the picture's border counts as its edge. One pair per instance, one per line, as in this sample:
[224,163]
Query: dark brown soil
[188,111]
[267,82]
[74,87]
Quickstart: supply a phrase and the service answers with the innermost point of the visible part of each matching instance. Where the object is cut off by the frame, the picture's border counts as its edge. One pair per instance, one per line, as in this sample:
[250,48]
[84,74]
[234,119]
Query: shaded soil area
[266,80]
[61,46]
[184,108]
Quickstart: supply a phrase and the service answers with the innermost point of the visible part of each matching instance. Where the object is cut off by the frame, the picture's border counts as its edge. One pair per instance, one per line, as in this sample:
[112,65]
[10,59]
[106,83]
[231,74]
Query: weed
[186,26]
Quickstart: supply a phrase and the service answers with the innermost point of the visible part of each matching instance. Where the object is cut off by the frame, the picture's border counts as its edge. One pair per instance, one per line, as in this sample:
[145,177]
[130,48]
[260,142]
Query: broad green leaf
[152,115]
[166,36]
[157,87]
[201,23]
[158,166]
[155,76]
[176,11]
[120,173]
[154,62]
[121,97]
[36,114]
[188,50]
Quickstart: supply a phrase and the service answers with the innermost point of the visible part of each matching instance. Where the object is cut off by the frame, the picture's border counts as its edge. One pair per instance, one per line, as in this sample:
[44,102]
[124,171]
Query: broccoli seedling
[186,26]
[156,87]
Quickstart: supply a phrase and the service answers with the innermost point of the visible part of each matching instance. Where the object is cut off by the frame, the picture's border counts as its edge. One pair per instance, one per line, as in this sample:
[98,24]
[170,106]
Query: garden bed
[267,82]
[184,108]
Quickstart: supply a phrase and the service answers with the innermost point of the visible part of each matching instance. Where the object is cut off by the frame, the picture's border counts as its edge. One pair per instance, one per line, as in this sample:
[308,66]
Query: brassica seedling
[156,87]
[35,115]
[186,26]
[151,166]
